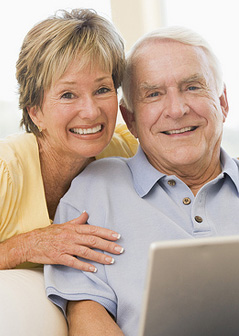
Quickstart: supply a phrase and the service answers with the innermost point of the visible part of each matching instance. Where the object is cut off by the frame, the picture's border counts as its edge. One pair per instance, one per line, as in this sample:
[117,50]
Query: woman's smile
[87,130]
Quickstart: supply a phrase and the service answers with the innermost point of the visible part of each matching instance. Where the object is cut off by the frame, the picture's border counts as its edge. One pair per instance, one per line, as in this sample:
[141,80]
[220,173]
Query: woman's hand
[60,243]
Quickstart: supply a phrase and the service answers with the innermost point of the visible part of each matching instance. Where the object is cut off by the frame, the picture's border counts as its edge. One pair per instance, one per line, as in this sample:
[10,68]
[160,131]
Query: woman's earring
[39,129]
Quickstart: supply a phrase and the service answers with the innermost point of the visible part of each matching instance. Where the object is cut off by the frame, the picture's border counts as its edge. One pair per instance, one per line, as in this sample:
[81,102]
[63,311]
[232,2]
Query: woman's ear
[36,116]
[129,119]
[224,103]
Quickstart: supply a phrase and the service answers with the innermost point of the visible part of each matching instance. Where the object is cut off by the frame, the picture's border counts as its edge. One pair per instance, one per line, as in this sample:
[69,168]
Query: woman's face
[79,112]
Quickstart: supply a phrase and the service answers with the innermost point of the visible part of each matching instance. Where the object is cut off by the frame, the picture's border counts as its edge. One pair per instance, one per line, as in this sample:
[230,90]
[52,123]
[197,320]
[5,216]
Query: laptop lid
[192,288]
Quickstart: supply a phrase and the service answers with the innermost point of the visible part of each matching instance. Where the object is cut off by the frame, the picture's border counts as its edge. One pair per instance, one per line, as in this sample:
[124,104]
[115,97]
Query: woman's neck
[58,171]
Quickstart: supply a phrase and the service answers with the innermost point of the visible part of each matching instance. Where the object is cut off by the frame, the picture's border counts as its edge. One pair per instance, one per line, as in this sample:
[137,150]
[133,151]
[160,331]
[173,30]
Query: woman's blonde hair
[50,47]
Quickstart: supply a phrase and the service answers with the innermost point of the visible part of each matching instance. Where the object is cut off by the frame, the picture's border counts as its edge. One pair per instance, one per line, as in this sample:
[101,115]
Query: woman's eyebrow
[73,82]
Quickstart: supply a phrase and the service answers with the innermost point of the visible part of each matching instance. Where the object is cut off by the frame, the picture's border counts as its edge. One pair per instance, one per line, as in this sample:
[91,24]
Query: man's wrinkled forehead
[159,54]
[144,50]
[146,46]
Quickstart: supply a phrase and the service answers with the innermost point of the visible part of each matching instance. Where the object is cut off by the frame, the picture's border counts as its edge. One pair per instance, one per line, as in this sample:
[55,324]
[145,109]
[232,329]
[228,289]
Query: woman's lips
[89,130]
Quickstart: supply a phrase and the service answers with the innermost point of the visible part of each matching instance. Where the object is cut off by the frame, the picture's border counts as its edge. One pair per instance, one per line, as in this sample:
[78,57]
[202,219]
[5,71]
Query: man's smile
[181,130]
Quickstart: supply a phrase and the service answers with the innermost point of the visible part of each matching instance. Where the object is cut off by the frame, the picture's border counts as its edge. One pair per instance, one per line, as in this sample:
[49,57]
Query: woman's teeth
[86,130]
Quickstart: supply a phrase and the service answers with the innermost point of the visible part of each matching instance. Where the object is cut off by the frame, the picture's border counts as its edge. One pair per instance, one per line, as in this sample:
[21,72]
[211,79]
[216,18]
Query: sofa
[24,307]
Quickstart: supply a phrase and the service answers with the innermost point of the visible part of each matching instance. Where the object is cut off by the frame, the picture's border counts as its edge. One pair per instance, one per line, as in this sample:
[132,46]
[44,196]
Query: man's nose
[176,106]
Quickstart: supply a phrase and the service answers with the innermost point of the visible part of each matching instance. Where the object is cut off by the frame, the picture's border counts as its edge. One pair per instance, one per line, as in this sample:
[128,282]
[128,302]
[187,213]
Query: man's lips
[89,130]
[181,130]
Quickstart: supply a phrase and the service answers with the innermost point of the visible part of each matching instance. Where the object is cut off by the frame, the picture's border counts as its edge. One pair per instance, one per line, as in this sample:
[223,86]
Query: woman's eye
[103,90]
[67,95]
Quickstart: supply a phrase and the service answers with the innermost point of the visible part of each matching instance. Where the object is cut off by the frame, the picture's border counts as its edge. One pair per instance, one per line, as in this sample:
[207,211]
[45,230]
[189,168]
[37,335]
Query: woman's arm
[59,244]
[89,318]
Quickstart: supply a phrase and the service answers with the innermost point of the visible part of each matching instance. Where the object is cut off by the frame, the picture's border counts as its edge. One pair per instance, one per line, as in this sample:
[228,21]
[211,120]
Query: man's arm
[89,318]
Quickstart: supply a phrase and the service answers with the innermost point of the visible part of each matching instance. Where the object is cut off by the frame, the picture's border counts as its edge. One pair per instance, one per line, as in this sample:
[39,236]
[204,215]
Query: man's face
[178,116]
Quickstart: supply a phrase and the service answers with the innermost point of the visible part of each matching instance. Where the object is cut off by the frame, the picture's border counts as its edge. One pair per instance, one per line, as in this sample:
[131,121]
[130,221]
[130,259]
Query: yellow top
[123,144]
[22,198]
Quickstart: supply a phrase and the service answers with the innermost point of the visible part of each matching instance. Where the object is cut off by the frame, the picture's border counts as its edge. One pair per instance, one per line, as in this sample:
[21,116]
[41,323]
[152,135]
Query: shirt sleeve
[122,144]
[68,284]
[10,194]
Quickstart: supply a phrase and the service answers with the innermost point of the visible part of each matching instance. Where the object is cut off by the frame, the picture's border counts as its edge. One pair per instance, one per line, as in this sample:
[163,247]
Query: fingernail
[93,269]
[119,249]
[110,260]
[116,235]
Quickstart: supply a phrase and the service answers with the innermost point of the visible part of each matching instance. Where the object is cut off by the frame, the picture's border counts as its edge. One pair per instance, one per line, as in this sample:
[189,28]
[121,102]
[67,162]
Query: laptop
[192,288]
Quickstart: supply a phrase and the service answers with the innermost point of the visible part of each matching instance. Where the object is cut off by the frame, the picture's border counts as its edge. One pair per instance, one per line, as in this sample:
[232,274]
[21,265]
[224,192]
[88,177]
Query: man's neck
[196,175]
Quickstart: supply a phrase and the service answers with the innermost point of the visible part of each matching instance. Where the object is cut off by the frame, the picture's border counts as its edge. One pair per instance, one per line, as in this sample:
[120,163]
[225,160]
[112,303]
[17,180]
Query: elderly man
[180,184]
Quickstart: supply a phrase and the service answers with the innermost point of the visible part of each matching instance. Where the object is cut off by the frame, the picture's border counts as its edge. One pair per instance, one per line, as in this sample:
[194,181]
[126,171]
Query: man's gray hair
[175,33]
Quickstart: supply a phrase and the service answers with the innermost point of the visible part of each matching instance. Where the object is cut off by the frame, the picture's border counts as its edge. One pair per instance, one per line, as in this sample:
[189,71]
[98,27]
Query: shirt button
[171,183]
[186,201]
[198,219]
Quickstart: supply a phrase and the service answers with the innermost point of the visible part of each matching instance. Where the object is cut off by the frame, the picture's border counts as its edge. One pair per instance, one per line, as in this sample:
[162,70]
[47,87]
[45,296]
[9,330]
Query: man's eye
[154,94]
[67,95]
[193,88]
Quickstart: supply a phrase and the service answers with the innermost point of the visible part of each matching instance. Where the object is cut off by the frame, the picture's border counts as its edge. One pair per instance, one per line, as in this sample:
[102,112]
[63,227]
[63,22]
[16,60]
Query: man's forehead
[160,49]
[163,58]
[149,44]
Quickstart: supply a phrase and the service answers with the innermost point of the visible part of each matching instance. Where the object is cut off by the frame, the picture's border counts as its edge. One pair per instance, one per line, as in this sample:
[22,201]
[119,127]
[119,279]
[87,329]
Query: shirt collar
[145,176]
[230,167]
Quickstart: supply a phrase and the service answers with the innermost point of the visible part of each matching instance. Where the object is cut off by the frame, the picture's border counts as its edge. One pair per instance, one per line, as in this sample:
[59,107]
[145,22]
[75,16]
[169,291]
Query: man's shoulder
[103,171]
[100,180]
[101,174]
[104,166]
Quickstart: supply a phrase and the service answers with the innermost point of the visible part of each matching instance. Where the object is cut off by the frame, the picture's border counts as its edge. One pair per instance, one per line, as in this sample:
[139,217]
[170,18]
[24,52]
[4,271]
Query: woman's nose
[88,108]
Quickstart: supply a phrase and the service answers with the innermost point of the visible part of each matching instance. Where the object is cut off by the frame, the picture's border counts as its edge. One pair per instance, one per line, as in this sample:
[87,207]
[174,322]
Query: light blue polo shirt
[131,197]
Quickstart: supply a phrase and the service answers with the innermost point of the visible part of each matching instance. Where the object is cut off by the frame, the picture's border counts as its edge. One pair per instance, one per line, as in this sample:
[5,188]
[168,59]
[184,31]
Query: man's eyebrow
[193,78]
[145,86]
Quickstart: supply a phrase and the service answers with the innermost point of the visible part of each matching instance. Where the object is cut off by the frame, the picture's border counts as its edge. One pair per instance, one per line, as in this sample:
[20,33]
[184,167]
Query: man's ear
[129,119]
[224,103]
[36,115]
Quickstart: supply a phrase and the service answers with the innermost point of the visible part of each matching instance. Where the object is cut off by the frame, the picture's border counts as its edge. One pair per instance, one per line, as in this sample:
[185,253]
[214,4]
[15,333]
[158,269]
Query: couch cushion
[24,307]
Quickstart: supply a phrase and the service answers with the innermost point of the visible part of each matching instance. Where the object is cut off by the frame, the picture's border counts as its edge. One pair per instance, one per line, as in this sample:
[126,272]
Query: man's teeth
[86,130]
[182,130]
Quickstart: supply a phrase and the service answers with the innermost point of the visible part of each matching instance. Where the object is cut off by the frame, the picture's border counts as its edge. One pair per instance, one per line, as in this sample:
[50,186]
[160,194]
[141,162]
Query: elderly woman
[69,69]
